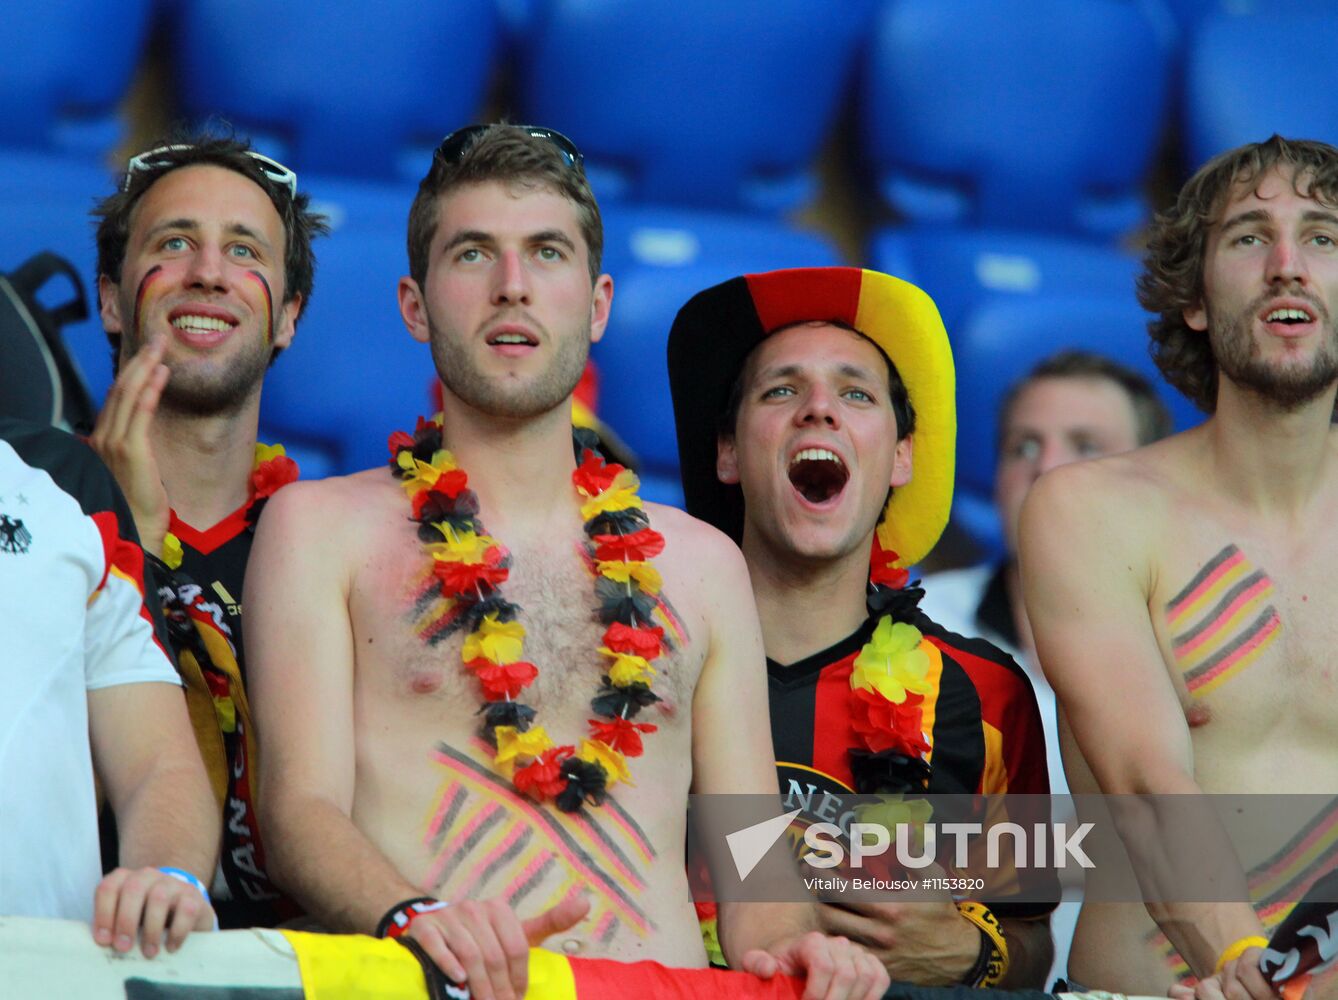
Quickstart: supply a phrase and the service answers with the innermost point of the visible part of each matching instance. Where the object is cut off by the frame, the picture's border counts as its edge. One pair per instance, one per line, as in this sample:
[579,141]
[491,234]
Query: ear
[726,461]
[901,461]
[600,306]
[285,324]
[413,309]
[109,305]
[1196,318]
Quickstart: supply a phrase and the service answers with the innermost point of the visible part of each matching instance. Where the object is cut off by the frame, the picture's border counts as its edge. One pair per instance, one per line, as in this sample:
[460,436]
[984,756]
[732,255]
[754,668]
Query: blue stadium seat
[1032,114]
[692,102]
[960,268]
[67,64]
[353,374]
[1225,107]
[44,205]
[659,260]
[1003,339]
[363,89]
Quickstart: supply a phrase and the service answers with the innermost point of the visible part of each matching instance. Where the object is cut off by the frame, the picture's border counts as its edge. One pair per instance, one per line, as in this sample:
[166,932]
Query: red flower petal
[459,578]
[643,642]
[503,680]
[622,735]
[593,476]
[881,568]
[639,545]
[270,476]
[884,725]
[398,442]
[542,778]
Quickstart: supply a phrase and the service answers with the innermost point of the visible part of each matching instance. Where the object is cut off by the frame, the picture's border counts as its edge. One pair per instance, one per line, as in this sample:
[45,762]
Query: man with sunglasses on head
[488,676]
[204,267]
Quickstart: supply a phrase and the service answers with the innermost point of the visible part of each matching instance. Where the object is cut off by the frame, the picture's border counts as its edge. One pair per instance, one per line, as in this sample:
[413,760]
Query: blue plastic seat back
[1008,336]
[44,205]
[67,64]
[962,268]
[693,102]
[1035,114]
[353,373]
[1231,98]
[353,88]
[664,258]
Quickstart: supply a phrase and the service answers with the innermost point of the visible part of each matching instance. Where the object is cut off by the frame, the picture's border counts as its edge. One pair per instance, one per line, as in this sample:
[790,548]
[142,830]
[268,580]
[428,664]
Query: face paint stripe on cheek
[140,295]
[268,331]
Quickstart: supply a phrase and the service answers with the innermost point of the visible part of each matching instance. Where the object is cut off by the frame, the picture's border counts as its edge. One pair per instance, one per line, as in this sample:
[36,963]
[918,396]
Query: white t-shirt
[72,620]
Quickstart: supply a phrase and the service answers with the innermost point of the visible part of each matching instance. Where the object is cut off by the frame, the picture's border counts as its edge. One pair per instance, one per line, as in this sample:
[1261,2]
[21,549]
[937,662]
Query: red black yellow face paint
[149,278]
[268,329]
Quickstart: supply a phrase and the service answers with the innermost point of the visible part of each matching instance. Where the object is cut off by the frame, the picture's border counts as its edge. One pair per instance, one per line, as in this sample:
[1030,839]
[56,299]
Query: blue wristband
[181,875]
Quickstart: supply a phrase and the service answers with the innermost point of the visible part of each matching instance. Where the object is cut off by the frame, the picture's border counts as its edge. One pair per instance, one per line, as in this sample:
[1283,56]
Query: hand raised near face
[121,439]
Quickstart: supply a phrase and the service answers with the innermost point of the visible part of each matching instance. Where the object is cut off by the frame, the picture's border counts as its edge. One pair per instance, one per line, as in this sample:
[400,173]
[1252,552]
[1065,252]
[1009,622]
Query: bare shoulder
[333,516]
[1125,495]
[332,497]
[695,540]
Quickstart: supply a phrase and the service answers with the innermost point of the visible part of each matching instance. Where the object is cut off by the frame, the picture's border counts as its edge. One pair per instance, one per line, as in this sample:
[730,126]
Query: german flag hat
[714,333]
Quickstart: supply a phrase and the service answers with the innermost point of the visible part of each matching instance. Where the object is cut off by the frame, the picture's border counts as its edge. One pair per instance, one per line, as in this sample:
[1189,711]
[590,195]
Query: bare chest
[1249,625]
[410,642]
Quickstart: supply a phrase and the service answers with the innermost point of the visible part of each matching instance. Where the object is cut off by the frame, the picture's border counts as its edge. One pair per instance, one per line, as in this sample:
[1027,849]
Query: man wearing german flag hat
[804,399]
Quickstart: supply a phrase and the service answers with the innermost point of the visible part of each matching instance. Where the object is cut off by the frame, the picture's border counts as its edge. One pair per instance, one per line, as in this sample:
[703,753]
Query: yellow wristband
[984,919]
[1236,949]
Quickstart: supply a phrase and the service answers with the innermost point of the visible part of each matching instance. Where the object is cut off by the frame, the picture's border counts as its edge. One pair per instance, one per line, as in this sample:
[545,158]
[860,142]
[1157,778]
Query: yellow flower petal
[621,495]
[425,474]
[646,575]
[613,762]
[266,452]
[494,641]
[893,811]
[512,745]
[892,662]
[460,546]
[627,668]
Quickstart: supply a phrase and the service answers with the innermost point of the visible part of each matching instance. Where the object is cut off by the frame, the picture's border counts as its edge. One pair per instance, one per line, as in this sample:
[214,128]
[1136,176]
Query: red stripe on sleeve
[1007,704]
[127,559]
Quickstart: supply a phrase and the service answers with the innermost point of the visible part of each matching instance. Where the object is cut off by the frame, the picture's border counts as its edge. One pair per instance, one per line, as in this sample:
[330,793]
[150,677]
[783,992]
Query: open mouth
[818,474]
[1289,316]
[512,338]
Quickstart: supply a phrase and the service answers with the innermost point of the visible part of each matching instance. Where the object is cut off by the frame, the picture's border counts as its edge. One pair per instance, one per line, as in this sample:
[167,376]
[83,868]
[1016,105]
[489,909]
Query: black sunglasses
[454,145]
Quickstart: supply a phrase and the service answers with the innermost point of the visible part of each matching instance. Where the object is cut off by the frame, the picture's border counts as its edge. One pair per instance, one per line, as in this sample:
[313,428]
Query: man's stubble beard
[492,395]
[1286,386]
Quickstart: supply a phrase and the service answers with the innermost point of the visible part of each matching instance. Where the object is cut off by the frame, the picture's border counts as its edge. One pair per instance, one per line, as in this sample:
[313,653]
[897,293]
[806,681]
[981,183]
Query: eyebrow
[846,369]
[1244,219]
[479,236]
[1262,215]
[193,226]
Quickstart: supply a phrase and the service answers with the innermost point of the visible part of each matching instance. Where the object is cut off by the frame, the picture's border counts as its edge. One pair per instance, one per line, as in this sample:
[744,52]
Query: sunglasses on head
[454,145]
[156,159]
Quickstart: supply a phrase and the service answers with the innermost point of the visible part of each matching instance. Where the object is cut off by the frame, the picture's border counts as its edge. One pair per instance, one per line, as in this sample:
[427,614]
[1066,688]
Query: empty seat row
[1037,114]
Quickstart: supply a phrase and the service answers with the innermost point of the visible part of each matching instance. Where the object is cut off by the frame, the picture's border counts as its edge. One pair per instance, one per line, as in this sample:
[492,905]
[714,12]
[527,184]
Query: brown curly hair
[1173,277]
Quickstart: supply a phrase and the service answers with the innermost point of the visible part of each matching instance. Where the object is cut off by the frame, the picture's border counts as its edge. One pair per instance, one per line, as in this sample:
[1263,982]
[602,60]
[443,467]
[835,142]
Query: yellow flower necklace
[470,567]
[888,682]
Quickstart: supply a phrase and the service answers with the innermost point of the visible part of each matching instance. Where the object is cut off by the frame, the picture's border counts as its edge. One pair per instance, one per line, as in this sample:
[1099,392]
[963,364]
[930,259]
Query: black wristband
[400,916]
[976,974]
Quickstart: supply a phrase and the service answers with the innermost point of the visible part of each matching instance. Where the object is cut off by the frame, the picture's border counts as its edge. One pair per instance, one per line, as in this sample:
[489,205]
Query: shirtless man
[1192,578]
[374,640]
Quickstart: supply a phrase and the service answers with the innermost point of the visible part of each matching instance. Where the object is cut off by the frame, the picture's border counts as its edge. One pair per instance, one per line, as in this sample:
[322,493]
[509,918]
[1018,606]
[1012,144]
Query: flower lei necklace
[470,567]
[271,469]
[887,687]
